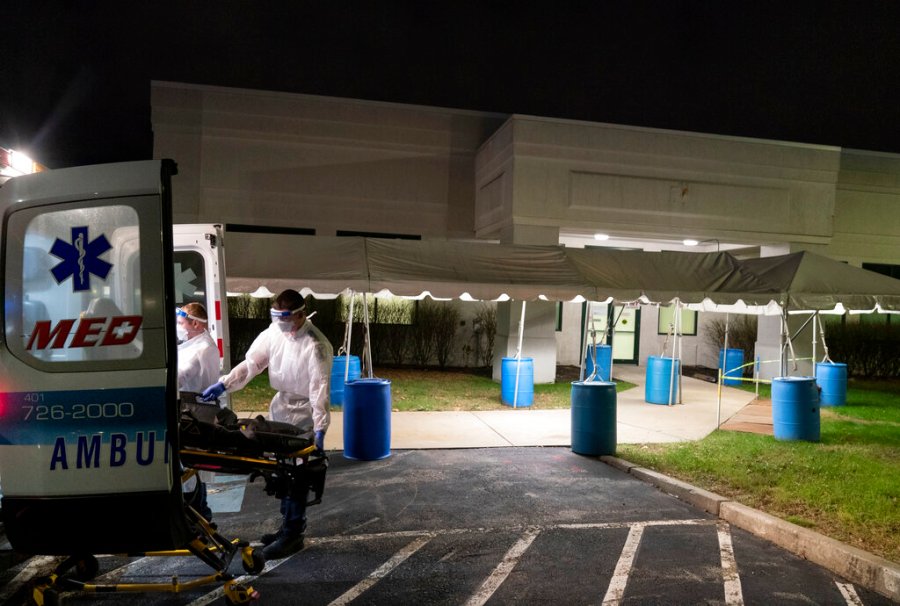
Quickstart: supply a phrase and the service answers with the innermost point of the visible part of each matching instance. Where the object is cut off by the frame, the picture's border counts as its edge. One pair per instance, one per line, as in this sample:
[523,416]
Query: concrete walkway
[637,421]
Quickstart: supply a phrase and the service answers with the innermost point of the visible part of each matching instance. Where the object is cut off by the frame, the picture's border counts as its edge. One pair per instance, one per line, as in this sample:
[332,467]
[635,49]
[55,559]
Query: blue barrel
[658,389]
[733,360]
[594,418]
[337,376]
[367,419]
[831,377]
[795,408]
[508,381]
[604,362]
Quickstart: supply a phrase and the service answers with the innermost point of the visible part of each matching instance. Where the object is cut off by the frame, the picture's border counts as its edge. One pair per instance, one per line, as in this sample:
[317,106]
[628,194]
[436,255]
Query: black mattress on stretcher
[207,426]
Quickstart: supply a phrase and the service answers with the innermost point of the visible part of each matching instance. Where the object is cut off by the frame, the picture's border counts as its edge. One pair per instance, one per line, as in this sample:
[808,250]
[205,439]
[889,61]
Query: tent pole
[721,374]
[368,344]
[680,356]
[815,338]
[584,331]
[349,335]
[672,372]
[611,331]
[519,356]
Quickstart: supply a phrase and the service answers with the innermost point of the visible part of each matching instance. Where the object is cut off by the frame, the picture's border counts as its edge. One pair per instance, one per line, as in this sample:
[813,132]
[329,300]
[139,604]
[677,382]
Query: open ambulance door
[88,401]
[200,277]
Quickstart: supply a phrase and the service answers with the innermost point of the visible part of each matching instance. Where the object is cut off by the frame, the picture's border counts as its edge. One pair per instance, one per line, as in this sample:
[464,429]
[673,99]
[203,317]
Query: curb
[854,564]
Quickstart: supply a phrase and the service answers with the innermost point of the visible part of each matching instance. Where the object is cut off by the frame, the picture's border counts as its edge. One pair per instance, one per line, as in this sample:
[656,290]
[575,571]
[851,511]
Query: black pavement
[488,526]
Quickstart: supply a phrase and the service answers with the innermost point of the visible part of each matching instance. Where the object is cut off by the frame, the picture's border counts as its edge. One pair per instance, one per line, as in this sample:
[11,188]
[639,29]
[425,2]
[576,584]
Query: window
[667,318]
[81,285]
[269,229]
[344,233]
[190,285]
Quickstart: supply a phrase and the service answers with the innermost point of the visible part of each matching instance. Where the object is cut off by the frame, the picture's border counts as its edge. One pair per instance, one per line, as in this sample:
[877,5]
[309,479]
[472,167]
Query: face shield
[182,318]
[284,318]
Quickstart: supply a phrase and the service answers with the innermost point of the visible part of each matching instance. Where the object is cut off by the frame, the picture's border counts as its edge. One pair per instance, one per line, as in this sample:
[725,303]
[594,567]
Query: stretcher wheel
[253,560]
[235,594]
[86,568]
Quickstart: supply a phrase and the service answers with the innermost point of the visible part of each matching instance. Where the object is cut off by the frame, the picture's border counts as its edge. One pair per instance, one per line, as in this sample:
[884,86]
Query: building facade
[310,165]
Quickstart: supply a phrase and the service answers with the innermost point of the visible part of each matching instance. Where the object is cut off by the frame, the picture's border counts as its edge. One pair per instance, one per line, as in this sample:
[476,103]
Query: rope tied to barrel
[826,358]
[790,342]
[662,352]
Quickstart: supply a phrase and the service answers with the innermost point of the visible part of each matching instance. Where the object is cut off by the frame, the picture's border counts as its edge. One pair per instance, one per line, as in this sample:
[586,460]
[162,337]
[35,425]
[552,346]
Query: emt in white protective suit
[198,355]
[198,366]
[299,359]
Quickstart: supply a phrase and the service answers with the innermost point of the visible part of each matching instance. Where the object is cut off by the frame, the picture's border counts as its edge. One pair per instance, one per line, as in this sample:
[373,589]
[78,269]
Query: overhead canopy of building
[452,269]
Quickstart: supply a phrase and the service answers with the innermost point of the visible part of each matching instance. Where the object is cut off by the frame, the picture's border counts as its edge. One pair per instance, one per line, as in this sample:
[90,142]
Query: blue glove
[213,392]
[320,440]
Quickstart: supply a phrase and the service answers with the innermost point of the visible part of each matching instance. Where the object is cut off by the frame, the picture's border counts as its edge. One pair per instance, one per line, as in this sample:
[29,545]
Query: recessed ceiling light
[690,242]
[601,236]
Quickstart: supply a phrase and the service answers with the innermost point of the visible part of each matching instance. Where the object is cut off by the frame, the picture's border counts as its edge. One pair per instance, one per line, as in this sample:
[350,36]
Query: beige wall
[287,160]
[650,182]
[867,209]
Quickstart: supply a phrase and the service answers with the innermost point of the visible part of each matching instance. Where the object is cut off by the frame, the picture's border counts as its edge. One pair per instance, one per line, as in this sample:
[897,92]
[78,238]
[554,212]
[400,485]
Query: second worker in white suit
[299,359]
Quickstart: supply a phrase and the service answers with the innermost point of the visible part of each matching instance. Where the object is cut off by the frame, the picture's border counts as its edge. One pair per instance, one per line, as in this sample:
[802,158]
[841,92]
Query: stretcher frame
[279,472]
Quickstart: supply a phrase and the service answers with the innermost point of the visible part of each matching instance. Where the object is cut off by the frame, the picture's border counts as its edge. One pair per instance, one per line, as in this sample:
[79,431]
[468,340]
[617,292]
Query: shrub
[741,335]
[868,350]
[484,329]
[446,324]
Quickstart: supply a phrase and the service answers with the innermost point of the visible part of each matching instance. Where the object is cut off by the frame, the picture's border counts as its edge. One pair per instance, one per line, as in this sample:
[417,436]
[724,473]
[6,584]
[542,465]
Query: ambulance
[92,272]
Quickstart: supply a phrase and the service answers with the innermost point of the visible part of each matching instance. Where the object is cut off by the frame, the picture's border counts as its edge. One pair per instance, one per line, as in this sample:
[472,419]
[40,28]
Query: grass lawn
[847,486]
[429,390]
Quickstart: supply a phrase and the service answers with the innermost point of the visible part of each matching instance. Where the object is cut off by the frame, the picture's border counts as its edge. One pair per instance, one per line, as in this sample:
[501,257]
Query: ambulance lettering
[90,332]
[85,452]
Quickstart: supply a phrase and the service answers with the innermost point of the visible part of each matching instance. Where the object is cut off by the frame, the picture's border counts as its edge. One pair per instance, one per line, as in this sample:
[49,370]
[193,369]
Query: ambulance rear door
[88,404]
[199,273]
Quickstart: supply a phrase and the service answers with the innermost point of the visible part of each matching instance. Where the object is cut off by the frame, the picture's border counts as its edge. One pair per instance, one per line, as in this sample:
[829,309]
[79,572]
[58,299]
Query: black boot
[270,537]
[284,546]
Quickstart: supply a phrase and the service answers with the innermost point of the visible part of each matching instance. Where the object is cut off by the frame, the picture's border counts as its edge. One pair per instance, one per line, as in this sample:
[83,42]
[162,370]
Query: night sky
[75,74]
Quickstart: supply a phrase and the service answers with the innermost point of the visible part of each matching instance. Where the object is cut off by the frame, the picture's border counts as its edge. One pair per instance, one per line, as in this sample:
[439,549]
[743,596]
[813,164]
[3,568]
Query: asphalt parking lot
[484,526]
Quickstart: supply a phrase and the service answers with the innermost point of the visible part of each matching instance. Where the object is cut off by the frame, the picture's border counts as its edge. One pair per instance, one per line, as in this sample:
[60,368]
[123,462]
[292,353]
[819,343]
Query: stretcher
[214,439]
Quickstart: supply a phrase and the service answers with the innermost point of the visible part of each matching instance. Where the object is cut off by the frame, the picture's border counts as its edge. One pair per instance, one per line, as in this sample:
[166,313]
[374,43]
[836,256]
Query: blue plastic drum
[367,419]
[733,360]
[658,388]
[338,369]
[795,408]
[594,418]
[508,381]
[831,378]
[604,362]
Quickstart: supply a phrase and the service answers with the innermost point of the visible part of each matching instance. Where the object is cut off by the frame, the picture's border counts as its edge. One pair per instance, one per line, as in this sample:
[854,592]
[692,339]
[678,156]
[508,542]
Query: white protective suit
[198,363]
[299,368]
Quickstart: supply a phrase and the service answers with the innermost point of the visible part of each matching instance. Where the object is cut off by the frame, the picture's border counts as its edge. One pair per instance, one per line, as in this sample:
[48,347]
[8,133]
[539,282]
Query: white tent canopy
[445,269]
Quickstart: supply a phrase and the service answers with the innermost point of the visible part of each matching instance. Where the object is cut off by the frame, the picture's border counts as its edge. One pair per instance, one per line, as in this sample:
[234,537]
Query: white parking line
[849,592]
[734,594]
[503,569]
[619,580]
[614,592]
[380,572]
